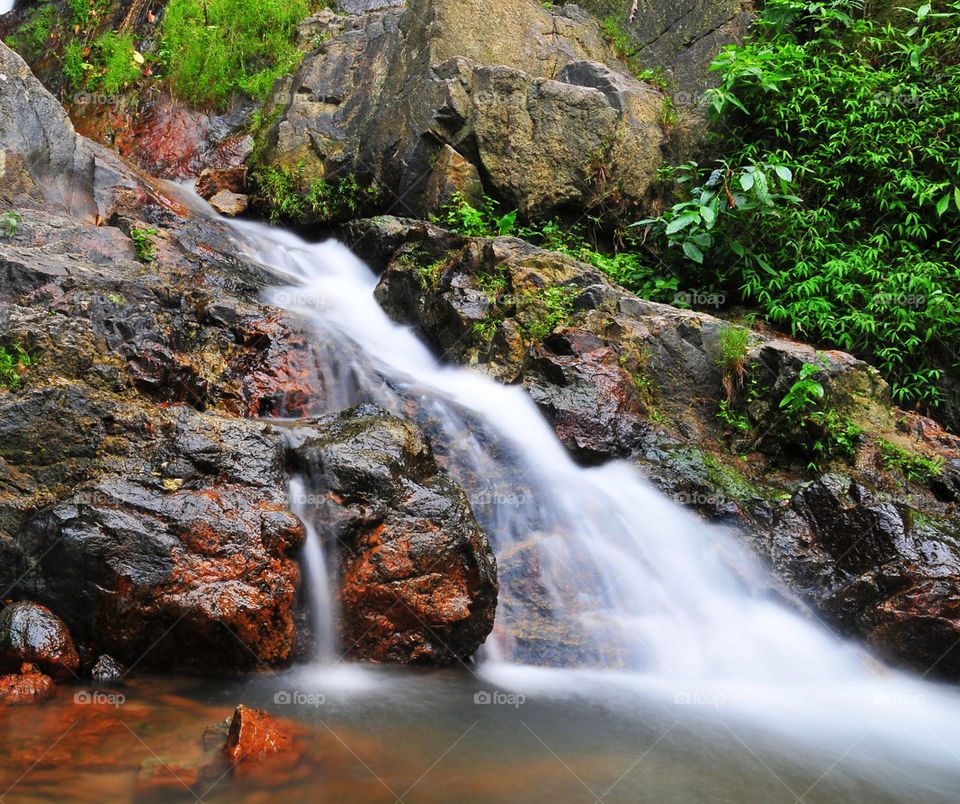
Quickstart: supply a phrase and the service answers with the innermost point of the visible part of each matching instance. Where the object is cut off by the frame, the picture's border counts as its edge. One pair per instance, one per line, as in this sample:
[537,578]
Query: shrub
[865,113]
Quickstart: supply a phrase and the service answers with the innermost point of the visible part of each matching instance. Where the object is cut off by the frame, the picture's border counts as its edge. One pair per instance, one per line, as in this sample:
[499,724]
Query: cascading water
[660,601]
[317,574]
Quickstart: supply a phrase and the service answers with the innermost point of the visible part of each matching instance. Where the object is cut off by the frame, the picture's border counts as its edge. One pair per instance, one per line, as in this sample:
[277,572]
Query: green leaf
[682,222]
[942,205]
[784,172]
[693,252]
[746,181]
[956,197]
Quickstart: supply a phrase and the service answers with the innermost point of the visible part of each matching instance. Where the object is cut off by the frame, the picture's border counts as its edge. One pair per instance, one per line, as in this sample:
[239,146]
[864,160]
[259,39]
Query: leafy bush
[143,243]
[31,39]
[214,47]
[865,115]
[913,467]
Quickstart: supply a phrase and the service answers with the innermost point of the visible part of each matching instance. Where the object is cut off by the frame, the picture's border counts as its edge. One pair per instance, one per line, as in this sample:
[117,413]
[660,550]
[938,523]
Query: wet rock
[418,577]
[27,686]
[107,669]
[210,182]
[227,203]
[263,749]
[493,95]
[32,633]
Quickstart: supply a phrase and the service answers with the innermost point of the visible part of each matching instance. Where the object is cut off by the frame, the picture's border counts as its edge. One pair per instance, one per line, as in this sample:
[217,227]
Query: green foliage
[864,113]
[13,360]
[117,54]
[339,200]
[460,216]
[322,202]
[79,12]
[619,40]
[912,467]
[733,349]
[805,394]
[729,416]
[143,243]
[820,432]
[31,40]
[214,47]
[12,220]
[73,63]
[717,218]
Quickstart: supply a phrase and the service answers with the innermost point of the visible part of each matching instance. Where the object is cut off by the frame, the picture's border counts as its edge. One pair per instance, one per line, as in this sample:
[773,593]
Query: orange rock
[263,748]
[31,685]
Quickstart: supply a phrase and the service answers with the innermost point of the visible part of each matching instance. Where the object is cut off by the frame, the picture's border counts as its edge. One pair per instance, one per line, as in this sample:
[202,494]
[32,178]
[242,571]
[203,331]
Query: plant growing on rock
[912,467]
[733,350]
[819,432]
[143,243]
[12,220]
[13,360]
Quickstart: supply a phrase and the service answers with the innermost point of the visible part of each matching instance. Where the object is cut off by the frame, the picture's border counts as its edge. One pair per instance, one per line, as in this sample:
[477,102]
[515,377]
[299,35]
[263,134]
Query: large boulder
[537,103]
[866,537]
[418,579]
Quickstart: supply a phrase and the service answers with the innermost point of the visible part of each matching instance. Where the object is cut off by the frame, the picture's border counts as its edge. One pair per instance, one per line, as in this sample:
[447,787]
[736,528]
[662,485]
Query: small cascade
[317,575]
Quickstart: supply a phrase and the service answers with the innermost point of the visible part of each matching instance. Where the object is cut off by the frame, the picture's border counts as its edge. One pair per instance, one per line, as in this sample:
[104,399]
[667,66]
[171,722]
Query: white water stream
[621,564]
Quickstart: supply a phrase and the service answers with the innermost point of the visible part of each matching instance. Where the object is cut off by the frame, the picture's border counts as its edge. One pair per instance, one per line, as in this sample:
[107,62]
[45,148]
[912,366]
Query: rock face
[679,37]
[133,502]
[136,501]
[537,104]
[34,634]
[870,546]
[418,577]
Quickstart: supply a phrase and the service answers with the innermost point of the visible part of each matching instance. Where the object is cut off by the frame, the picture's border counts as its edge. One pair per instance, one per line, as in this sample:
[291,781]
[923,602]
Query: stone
[212,181]
[230,204]
[418,577]
[28,686]
[32,633]
[491,94]
[107,669]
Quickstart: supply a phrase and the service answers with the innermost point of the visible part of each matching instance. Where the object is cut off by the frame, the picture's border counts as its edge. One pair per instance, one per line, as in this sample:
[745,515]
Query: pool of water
[493,733]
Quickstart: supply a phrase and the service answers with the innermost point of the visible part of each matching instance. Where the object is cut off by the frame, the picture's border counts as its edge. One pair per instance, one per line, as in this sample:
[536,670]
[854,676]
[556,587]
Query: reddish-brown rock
[418,577]
[32,633]
[26,687]
[212,181]
[264,749]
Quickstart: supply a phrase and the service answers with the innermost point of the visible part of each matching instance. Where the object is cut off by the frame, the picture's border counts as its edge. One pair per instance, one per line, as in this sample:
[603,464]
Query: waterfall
[643,583]
[665,606]
[317,575]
